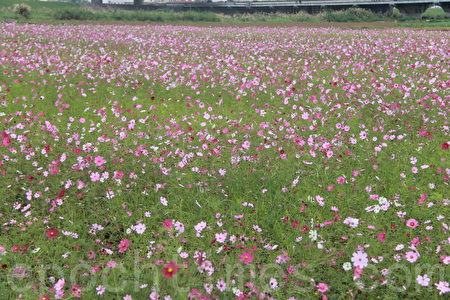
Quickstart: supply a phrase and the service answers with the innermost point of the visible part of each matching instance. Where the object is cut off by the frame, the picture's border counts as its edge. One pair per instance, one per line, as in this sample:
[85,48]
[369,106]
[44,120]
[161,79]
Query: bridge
[406,7]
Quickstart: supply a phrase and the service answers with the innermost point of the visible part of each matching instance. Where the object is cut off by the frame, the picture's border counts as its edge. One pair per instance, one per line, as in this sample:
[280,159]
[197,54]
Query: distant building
[118,1]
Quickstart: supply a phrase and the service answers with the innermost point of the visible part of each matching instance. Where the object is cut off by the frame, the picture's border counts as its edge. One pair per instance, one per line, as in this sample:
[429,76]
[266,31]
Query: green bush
[434,13]
[22,10]
[351,15]
[302,16]
[75,14]
[396,13]
[194,16]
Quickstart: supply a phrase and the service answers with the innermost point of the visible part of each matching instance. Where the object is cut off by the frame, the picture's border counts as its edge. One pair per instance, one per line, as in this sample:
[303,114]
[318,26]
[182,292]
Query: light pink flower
[100,290]
[360,259]
[341,180]
[411,256]
[423,280]
[99,160]
[221,285]
[322,287]
[443,287]
[412,223]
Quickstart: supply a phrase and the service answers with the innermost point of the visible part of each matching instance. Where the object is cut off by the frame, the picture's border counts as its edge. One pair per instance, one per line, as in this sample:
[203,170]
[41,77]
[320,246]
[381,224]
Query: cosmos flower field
[179,162]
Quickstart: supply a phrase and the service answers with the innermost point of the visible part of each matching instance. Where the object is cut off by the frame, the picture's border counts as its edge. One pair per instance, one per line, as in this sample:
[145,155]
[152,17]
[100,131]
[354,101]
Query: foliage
[351,15]
[396,13]
[77,13]
[434,13]
[22,10]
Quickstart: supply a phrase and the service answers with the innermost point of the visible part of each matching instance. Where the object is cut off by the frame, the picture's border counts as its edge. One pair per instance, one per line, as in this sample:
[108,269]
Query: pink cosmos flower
[95,176]
[5,139]
[123,245]
[221,237]
[322,287]
[445,259]
[357,272]
[221,285]
[246,257]
[341,180]
[99,160]
[111,264]
[91,255]
[19,272]
[412,223]
[60,294]
[443,287]
[59,285]
[381,237]
[163,201]
[140,228]
[411,256]
[100,290]
[167,224]
[118,174]
[76,291]
[423,198]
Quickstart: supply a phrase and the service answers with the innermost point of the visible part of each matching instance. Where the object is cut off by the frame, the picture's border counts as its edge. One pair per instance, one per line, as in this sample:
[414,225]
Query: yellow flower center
[170,270]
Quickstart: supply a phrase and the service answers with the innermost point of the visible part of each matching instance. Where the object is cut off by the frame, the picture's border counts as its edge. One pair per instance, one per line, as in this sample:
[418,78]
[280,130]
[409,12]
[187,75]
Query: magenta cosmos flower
[170,269]
[246,257]
[168,224]
[51,233]
[123,245]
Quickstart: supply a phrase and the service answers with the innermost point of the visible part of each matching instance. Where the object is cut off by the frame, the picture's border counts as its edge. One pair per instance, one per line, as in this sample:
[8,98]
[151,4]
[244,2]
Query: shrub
[22,10]
[434,12]
[351,15]
[195,16]
[302,16]
[74,14]
[396,13]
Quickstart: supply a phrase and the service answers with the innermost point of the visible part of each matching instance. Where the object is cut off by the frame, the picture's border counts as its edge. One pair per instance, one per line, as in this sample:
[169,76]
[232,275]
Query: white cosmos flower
[347,266]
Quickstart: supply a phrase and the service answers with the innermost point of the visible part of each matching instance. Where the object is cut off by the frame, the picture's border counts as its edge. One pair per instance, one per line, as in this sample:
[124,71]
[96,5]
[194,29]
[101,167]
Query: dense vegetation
[176,162]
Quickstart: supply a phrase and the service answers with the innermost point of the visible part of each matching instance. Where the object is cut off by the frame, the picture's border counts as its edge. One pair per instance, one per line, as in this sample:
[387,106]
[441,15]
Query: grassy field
[39,10]
[35,4]
[178,162]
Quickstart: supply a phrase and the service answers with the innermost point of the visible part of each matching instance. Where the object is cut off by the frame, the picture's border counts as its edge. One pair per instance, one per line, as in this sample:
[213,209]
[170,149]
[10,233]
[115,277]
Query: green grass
[41,10]
[38,4]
